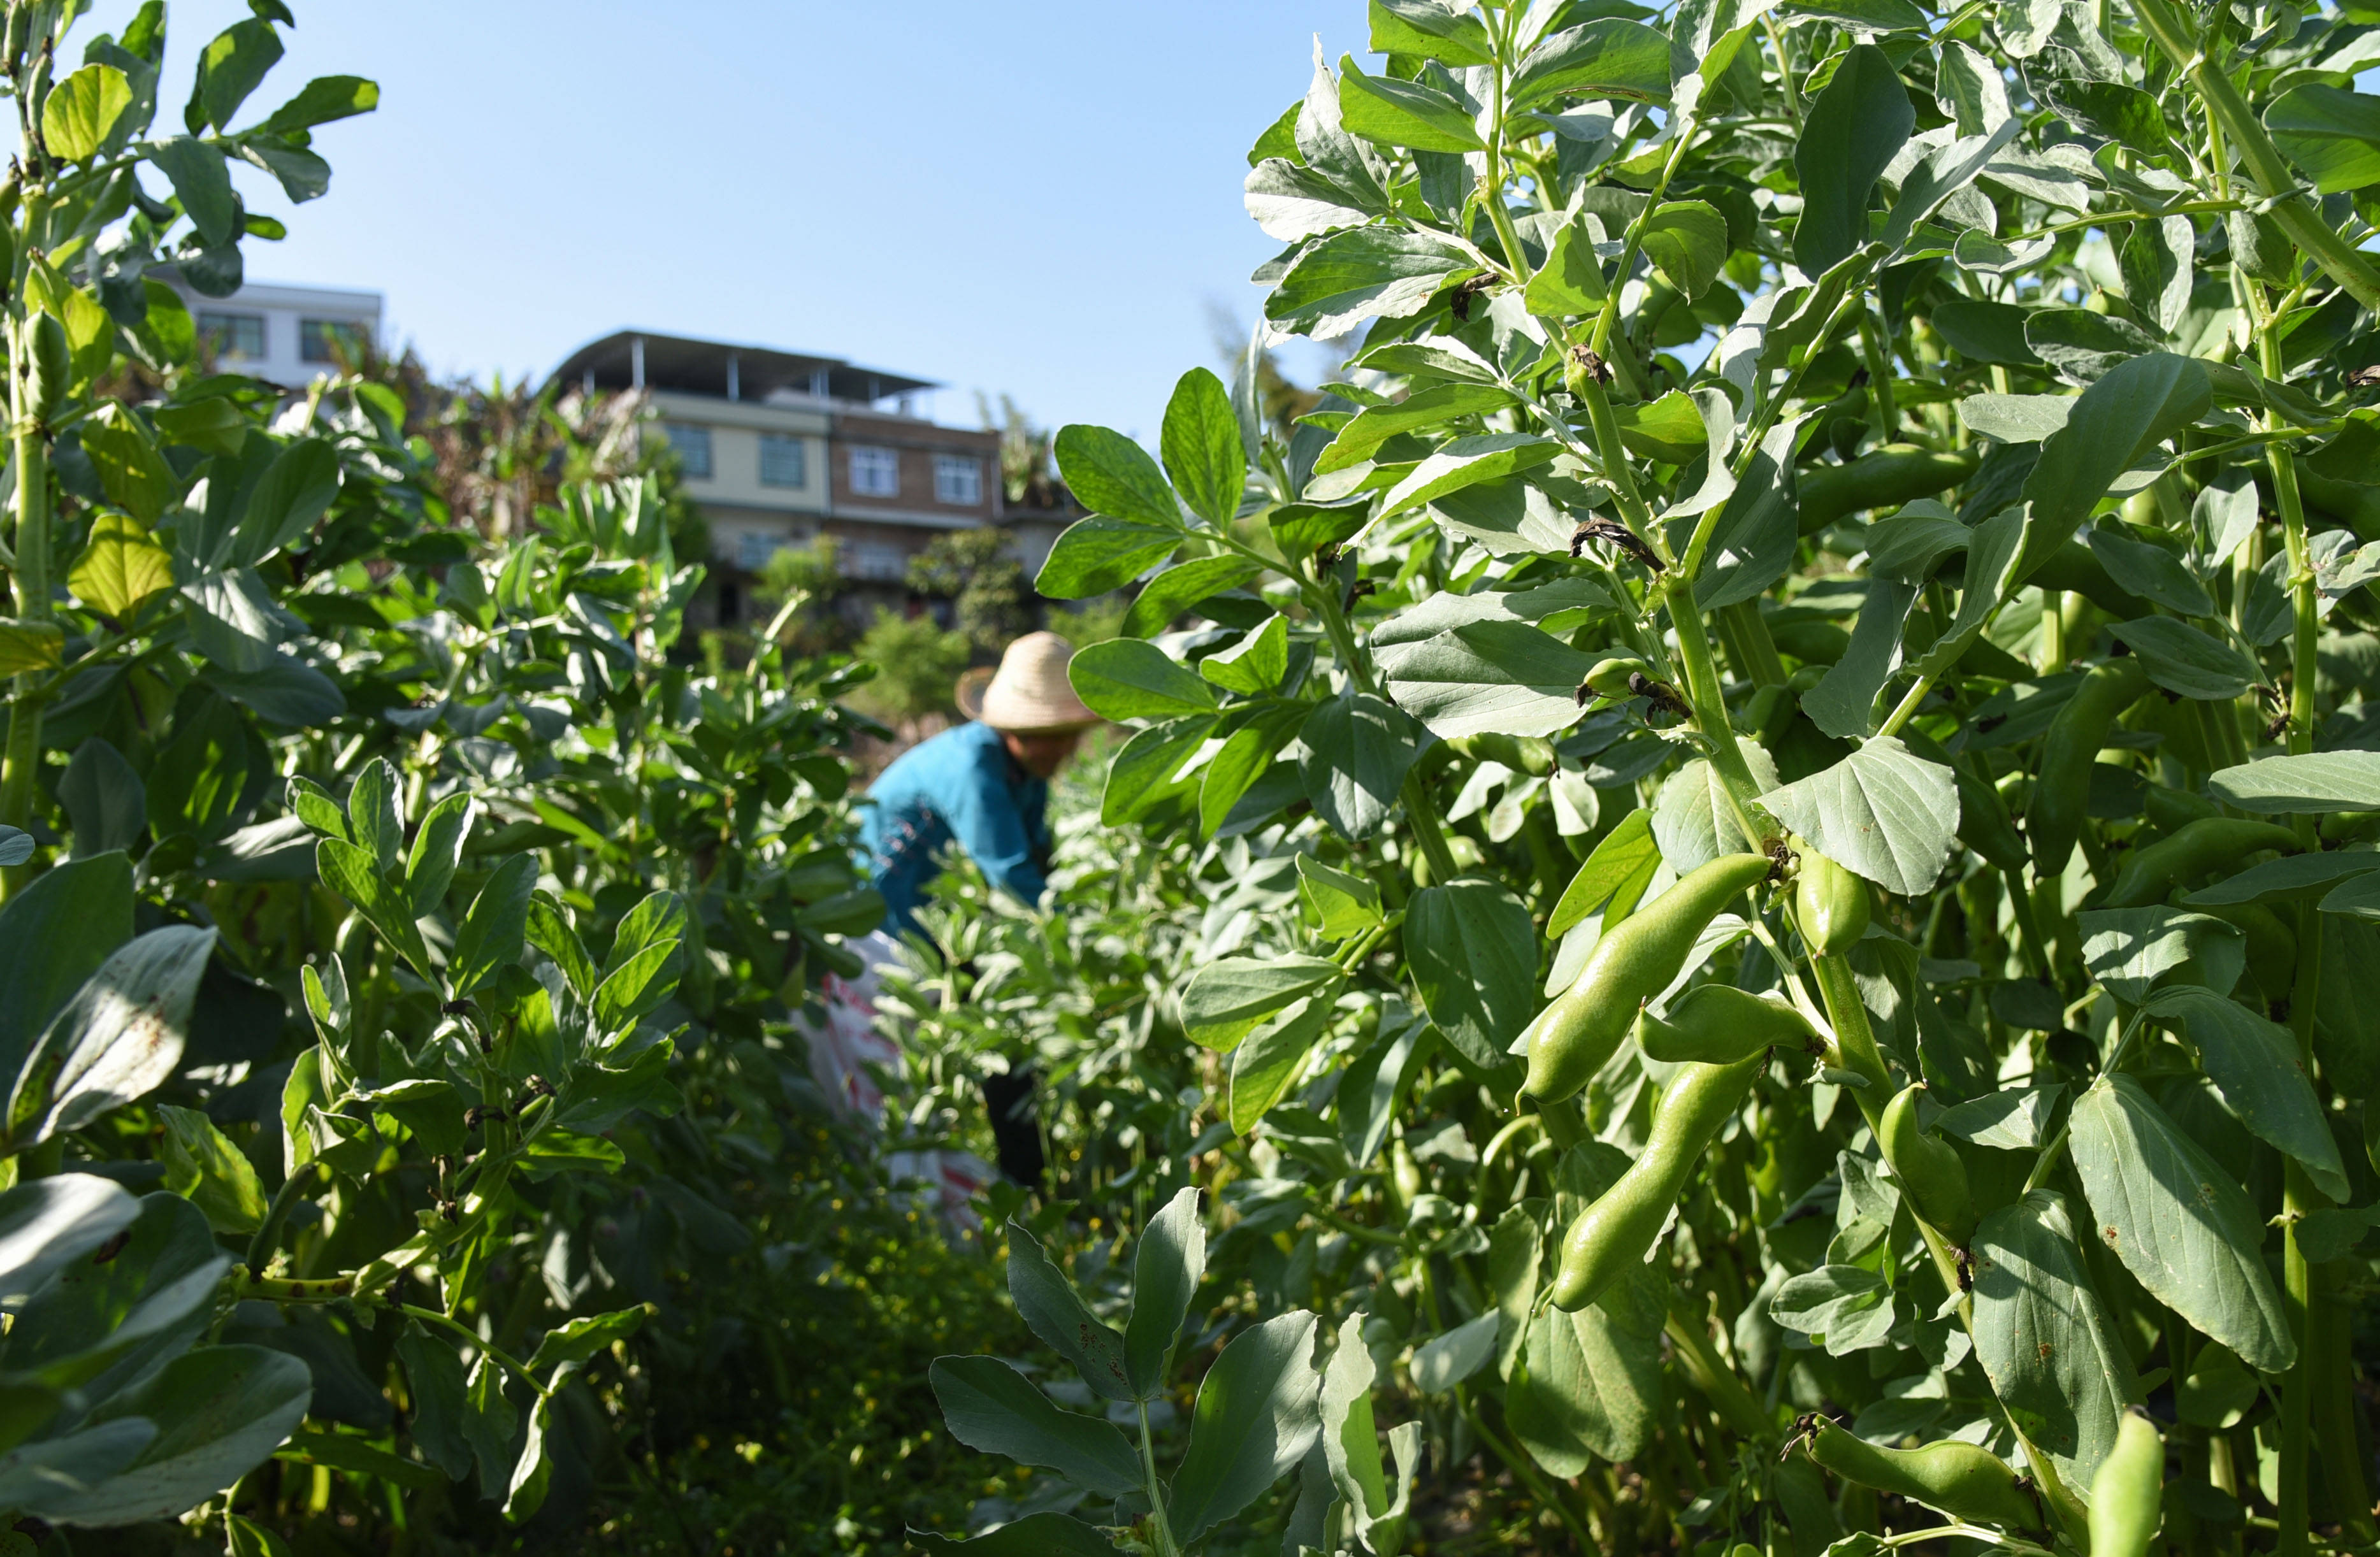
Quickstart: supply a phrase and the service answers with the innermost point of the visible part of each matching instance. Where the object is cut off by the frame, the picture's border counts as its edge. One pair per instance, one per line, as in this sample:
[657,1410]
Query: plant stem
[471,1338]
[34,584]
[1710,708]
[1163,1530]
[1526,1473]
[2261,161]
[1855,1050]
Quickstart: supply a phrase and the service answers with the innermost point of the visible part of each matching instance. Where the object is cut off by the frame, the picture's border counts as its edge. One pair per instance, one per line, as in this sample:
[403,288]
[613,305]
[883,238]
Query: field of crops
[1728,905]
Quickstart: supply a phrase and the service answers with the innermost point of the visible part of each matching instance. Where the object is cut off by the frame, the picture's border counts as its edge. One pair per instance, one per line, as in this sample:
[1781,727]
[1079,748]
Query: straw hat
[1029,693]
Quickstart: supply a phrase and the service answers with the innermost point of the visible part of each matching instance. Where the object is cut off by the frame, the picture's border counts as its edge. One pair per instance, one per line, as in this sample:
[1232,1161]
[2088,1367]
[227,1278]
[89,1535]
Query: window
[235,337]
[329,340]
[873,559]
[693,446]
[958,479]
[754,548]
[876,473]
[784,462]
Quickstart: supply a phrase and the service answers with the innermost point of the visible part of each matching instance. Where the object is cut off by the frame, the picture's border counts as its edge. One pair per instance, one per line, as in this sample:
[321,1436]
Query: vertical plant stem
[1710,707]
[33,582]
[1162,1532]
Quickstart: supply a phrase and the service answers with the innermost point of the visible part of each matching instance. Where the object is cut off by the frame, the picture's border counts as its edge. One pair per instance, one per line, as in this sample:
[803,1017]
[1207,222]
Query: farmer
[984,787]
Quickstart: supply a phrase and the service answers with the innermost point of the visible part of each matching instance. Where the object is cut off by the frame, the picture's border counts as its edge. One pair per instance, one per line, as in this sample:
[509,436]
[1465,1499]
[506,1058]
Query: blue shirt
[960,787]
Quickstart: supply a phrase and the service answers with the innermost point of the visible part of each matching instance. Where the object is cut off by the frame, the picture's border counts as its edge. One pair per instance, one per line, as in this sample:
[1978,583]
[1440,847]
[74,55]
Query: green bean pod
[1610,677]
[1831,905]
[2272,944]
[2061,790]
[1930,1171]
[1610,1237]
[1884,478]
[2194,849]
[1531,754]
[1633,961]
[2128,1493]
[1949,1476]
[1718,1024]
[2170,810]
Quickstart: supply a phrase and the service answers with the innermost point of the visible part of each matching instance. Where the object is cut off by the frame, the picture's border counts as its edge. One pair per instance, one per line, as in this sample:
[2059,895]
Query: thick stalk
[1856,1048]
[1710,708]
[2261,160]
[33,582]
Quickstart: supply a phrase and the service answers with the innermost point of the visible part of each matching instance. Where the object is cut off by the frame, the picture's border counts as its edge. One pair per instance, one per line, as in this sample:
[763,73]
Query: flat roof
[695,367]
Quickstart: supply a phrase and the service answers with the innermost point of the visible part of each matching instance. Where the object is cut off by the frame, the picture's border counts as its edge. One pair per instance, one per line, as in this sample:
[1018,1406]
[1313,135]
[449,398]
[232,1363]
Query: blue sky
[1037,199]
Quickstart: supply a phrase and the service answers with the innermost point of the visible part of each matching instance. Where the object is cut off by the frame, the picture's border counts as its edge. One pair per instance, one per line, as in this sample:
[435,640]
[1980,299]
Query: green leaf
[1056,1314]
[1986,332]
[1609,56]
[2138,404]
[53,935]
[106,804]
[1367,273]
[120,1038]
[2315,783]
[1202,447]
[1036,1535]
[1110,474]
[1390,113]
[1432,29]
[2085,347]
[1245,756]
[320,101]
[492,932]
[1882,811]
[346,1452]
[1145,773]
[2179,1223]
[1096,555]
[579,1339]
[29,645]
[229,69]
[1254,665]
[1343,904]
[437,849]
[1444,1361]
[203,1166]
[81,111]
[1129,678]
[2292,878]
[1472,954]
[1226,999]
[1358,750]
[1181,586]
[2130,951]
[2331,132]
[47,1224]
[1423,410]
[1585,1388]
[2255,1064]
[1753,543]
[1165,1274]
[1569,284]
[533,1472]
[1467,461]
[1687,239]
[2044,1337]
[2014,1118]
[1692,821]
[1613,877]
[121,567]
[1854,130]
[1843,702]
[993,1408]
[1255,1419]
[1350,1445]
[295,491]
[2150,570]
[1265,1064]
[203,184]
[1488,677]
[1292,203]
[347,870]
[2188,662]
[219,1411]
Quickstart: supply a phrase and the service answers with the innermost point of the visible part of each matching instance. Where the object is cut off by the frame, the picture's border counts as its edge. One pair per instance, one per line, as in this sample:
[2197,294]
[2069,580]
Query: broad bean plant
[404,950]
[1783,779]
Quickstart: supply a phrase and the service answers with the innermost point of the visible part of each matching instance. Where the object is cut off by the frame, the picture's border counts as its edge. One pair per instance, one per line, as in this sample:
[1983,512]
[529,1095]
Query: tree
[917,664]
[976,571]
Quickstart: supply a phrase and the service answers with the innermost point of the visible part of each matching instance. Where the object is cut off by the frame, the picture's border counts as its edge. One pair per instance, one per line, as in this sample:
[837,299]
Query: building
[780,447]
[288,335]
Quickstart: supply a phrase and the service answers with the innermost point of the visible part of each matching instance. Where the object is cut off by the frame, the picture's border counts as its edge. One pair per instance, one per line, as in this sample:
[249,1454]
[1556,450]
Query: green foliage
[917,662]
[1856,508]
[976,571]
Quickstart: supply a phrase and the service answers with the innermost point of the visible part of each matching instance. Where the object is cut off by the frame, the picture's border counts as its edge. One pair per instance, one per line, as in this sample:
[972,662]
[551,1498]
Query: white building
[289,335]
